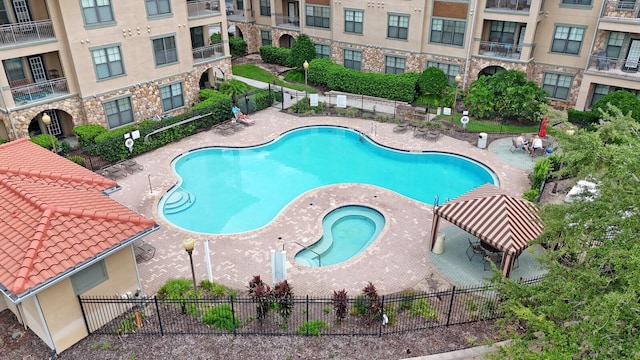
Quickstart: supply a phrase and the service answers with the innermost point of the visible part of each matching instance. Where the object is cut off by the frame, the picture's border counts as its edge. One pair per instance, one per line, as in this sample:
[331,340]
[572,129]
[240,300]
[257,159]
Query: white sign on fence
[341,101]
[446,111]
[313,99]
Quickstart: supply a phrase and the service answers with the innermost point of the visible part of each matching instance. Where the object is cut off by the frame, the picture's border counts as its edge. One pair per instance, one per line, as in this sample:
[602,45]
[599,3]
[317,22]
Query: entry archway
[490,70]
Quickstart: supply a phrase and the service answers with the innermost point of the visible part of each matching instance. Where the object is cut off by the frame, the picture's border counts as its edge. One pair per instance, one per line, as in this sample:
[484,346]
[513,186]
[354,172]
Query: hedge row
[400,87]
[110,144]
[275,55]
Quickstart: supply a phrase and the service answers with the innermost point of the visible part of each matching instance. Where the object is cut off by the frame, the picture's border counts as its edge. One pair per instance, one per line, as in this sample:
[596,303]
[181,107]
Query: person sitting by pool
[535,144]
[521,142]
[238,114]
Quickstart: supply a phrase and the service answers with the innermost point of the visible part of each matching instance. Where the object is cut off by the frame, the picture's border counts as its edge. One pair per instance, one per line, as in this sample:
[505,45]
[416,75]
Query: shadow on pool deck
[454,264]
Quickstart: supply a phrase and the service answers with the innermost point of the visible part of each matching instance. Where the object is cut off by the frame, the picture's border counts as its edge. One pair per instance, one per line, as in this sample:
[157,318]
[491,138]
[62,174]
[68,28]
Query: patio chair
[603,61]
[115,171]
[476,249]
[131,166]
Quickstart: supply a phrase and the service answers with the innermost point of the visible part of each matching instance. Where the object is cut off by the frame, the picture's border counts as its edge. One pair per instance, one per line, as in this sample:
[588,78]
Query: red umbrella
[543,126]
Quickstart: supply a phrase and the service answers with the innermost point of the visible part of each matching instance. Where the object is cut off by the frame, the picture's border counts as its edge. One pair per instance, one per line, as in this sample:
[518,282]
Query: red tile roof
[54,216]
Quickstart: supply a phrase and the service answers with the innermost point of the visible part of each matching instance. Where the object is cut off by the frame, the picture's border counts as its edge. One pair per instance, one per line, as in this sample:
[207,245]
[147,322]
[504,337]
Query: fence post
[307,315]
[453,293]
[233,312]
[282,91]
[84,316]
[155,301]
[381,317]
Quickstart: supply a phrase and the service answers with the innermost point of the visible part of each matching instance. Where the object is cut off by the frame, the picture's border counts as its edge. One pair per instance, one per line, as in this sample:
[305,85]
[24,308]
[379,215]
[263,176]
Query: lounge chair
[131,166]
[245,121]
[115,171]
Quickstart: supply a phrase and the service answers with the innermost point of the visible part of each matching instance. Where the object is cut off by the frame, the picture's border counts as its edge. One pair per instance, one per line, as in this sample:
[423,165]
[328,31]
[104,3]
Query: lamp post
[455,96]
[188,244]
[46,119]
[305,65]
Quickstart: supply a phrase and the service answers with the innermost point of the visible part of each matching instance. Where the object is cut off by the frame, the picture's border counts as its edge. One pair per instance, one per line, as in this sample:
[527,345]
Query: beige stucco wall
[32,319]
[61,308]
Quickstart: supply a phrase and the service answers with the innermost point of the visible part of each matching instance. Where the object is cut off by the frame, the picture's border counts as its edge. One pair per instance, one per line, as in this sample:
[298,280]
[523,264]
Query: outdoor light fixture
[188,243]
[458,79]
[305,65]
[46,119]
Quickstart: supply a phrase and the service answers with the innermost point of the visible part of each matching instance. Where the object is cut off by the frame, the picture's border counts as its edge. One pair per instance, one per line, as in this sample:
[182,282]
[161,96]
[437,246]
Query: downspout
[595,31]
[471,32]
[44,322]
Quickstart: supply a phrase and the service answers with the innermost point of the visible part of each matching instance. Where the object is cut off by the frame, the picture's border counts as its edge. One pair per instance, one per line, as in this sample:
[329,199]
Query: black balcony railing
[500,50]
[206,53]
[40,91]
[26,32]
[615,66]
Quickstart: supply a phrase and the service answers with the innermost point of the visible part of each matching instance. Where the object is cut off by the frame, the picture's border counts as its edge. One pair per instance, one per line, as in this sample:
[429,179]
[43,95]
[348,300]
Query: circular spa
[225,190]
[346,232]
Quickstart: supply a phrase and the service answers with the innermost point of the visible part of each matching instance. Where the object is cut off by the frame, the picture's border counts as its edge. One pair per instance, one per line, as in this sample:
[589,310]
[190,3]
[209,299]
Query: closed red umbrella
[543,126]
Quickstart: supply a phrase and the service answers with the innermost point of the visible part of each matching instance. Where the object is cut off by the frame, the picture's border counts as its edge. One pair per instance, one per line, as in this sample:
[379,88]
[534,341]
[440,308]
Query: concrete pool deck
[399,259]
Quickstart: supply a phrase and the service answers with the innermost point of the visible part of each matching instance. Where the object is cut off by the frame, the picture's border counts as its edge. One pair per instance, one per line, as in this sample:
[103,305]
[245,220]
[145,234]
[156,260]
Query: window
[398,27]
[353,59]
[502,31]
[567,39]
[557,85]
[353,21]
[322,51]
[450,69]
[266,37]
[107,62]
[89,278]
[96,11]
[14,70]
[318,16]
[265,7]
[626,4]
[239,4]
[164,50]
[394,65]
[118,112]
[599,92]
[614,44]
[577,2]
[450,32]
[158,7]
[171,96]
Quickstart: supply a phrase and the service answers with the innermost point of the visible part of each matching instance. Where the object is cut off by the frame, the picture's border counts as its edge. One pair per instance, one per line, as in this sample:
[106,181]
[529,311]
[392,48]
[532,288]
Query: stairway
[178,201]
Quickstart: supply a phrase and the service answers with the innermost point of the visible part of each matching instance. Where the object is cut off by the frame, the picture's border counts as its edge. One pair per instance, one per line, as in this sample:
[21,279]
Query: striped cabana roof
[502,221]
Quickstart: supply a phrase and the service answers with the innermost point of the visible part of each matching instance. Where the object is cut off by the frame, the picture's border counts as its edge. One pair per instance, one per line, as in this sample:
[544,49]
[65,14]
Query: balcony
[45,90]
[500,50]
[26,32]
[239,15]
[622,10]
[291,22]
[509,5]
[203,8]
[615,67]
[207,53]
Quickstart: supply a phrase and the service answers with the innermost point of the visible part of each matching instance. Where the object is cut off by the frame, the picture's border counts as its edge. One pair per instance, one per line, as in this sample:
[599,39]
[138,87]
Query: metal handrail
[146,137]
[191,196]
[305,247]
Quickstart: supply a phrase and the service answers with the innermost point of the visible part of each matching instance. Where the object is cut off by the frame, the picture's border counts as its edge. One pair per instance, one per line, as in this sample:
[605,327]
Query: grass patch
[256,73]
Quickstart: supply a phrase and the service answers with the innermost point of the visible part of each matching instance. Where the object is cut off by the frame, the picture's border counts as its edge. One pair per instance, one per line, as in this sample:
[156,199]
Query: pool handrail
[305,247]
[191,196]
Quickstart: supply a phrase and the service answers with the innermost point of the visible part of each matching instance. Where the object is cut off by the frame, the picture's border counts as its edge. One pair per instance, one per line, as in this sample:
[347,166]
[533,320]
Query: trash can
[438,247]
[482,140]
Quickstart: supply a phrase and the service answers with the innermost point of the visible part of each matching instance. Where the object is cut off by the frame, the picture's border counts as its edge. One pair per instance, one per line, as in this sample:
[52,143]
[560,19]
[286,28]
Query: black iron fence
[389,314]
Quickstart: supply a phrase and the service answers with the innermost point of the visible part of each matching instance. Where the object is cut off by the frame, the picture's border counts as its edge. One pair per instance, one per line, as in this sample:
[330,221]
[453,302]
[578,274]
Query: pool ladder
[305,247]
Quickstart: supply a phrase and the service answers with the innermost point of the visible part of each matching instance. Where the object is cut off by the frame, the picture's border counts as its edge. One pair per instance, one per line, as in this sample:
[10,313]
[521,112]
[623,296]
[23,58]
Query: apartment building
[105,62]
[577,50]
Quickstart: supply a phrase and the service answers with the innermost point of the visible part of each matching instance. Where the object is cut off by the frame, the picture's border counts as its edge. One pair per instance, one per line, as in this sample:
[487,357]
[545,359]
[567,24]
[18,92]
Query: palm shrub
[233,88]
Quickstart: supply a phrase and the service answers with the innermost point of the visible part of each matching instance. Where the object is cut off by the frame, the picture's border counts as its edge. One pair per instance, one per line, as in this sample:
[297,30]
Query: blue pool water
[346,232]
[232,190]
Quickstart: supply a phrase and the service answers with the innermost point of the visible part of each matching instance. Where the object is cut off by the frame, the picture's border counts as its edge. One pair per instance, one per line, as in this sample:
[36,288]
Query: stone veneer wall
[277,33]
[145,101]
[538,73]
[251,34]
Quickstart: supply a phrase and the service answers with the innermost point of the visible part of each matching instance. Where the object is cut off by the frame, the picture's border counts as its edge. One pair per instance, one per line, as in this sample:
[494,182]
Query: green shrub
[237,46]
[582,118]
[623,100]
[128,325]
[406,300]
[312,328]
[275,55]
[530,195]
[44,140]
[78,160]
[359,306]
[301,50]
[317,73]
[432,81]
[221,317]
[421,308]
[541,171]
[175,288]
[2,141]
[86,134]
[216,38]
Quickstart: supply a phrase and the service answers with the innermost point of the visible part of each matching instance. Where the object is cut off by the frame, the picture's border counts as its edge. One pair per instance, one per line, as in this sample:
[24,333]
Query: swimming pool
[346,232]
[231,190]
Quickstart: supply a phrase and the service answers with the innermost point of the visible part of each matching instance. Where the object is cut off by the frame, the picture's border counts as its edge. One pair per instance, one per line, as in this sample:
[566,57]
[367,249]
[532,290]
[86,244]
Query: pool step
[178,201]
[309,259]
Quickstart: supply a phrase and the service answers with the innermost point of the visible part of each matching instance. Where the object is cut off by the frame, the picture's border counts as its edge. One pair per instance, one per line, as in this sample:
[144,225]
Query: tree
[432,86]
[621,99]
[506,94]
[587,306]
[301,50]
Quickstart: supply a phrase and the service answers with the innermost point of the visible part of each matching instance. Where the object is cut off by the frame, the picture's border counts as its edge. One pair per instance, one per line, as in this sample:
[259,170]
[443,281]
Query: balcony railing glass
[288,21]
[509,5]
[203,8]
[208,53]
[40,91]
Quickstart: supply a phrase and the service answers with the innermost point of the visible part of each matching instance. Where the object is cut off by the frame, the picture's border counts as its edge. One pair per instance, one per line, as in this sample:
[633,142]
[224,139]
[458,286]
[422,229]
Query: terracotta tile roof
[54,216]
